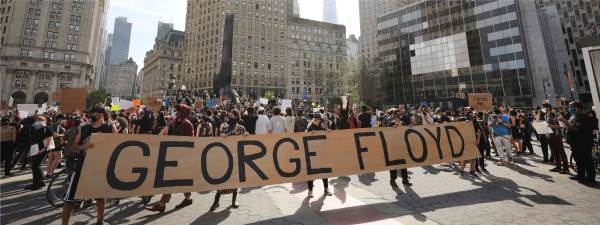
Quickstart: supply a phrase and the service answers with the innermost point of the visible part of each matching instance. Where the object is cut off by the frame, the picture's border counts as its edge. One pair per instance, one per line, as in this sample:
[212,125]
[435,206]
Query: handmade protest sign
[138,165]
[72,99]
[481,102]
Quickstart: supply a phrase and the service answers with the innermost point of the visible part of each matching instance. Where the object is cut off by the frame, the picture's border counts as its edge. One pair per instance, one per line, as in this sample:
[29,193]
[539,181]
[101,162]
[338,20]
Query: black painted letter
[359,148]
[249,159]
[386,155]
[111,177]
[437,139]
[308,154]
[462,141]
[204,166]
[296,161]
[410,153]
[159,180]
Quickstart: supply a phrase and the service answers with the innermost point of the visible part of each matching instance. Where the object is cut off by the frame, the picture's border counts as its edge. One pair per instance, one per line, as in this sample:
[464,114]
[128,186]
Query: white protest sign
[31,108]
[42,109]
[541,127]
[344,102]
[286,103]
[264,101]
[23,114]
[11,100]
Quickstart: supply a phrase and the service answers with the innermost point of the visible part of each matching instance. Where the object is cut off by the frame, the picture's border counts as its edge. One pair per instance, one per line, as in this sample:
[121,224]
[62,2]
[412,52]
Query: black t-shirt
[314,127]
[87,130]
[365,120]
[584,135]
[38,136]
[249,122]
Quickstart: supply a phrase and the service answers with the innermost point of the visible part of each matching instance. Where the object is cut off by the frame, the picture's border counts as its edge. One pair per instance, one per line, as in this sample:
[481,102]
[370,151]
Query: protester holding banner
[315,125]
[397,122]
[580,136]
[97,124]
[232,128]
[180,127]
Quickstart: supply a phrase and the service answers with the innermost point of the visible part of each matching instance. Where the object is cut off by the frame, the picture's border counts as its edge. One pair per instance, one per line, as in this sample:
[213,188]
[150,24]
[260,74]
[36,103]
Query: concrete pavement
[523,193]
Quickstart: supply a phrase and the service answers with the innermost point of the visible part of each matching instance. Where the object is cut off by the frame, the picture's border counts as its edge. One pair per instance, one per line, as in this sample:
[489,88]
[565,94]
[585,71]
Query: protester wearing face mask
[97,123]
[41,136]
[54,156]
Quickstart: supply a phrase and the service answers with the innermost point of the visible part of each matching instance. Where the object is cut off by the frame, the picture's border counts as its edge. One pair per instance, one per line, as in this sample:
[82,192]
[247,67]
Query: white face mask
[544,110]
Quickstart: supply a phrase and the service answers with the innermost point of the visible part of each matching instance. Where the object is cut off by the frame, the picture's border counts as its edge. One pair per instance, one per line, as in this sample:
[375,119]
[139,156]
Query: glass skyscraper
[120,42]
[439,50]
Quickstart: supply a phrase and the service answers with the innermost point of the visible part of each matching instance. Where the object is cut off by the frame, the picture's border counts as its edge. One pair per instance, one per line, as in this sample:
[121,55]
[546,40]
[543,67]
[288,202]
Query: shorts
[73,182]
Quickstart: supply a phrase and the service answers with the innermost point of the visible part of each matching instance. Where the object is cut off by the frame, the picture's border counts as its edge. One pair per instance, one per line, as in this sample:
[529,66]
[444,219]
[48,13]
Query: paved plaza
[523,193]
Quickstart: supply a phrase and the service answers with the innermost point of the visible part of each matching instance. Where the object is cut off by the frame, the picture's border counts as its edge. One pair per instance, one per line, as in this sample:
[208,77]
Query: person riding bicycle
[97,124]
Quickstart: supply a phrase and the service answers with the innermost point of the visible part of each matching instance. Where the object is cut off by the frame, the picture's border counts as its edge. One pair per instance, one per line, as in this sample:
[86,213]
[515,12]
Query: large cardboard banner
[137,165]
[481,102]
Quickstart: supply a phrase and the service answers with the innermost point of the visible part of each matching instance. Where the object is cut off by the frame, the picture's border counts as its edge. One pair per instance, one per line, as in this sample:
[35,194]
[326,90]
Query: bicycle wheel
[57,188]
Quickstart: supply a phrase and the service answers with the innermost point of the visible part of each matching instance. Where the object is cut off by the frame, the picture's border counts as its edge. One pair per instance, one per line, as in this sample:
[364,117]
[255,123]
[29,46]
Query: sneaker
[565,172]
[462,174]
[473,174]
[310,194]
[49,176]
[484,170]
[327,192]
[576,178]
[501,163]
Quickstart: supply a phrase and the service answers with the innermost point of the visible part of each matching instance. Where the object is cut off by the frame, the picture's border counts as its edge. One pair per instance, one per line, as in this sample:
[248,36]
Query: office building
[429,53]
[579,19]
[352,47]
[162,30]
[163,65]
[259,45]
[317,55]
[120,41]
[121,79]
[330,11]
[48,45]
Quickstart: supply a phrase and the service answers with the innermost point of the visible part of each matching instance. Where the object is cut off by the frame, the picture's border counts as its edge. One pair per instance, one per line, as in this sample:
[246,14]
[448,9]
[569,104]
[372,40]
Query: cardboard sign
[72,99]
[198,105]
[153,104]
[481,101]
[138,165]
[136,102]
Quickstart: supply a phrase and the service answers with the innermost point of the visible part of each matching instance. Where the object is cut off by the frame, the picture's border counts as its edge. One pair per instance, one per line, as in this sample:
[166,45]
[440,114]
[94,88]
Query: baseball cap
[98,110]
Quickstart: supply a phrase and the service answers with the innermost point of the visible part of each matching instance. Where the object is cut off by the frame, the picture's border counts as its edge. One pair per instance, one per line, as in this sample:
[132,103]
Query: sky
[145,14]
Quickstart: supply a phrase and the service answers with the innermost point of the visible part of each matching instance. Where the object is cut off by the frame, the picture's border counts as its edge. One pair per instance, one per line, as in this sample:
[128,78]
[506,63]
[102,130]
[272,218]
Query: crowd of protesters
[505,132]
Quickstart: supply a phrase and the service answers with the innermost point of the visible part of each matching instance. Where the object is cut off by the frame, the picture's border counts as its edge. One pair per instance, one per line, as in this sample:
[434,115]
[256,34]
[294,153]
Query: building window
[64,85]
[43,84]
[26,53]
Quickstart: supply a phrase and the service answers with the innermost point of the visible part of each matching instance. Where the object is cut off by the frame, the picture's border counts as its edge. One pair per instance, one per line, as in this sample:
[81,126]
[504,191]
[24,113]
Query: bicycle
[57,188]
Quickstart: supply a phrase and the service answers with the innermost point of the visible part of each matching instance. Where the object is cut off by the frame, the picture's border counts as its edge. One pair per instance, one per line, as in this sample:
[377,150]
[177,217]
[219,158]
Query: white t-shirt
[290,121]
[277,124]
[262,124]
